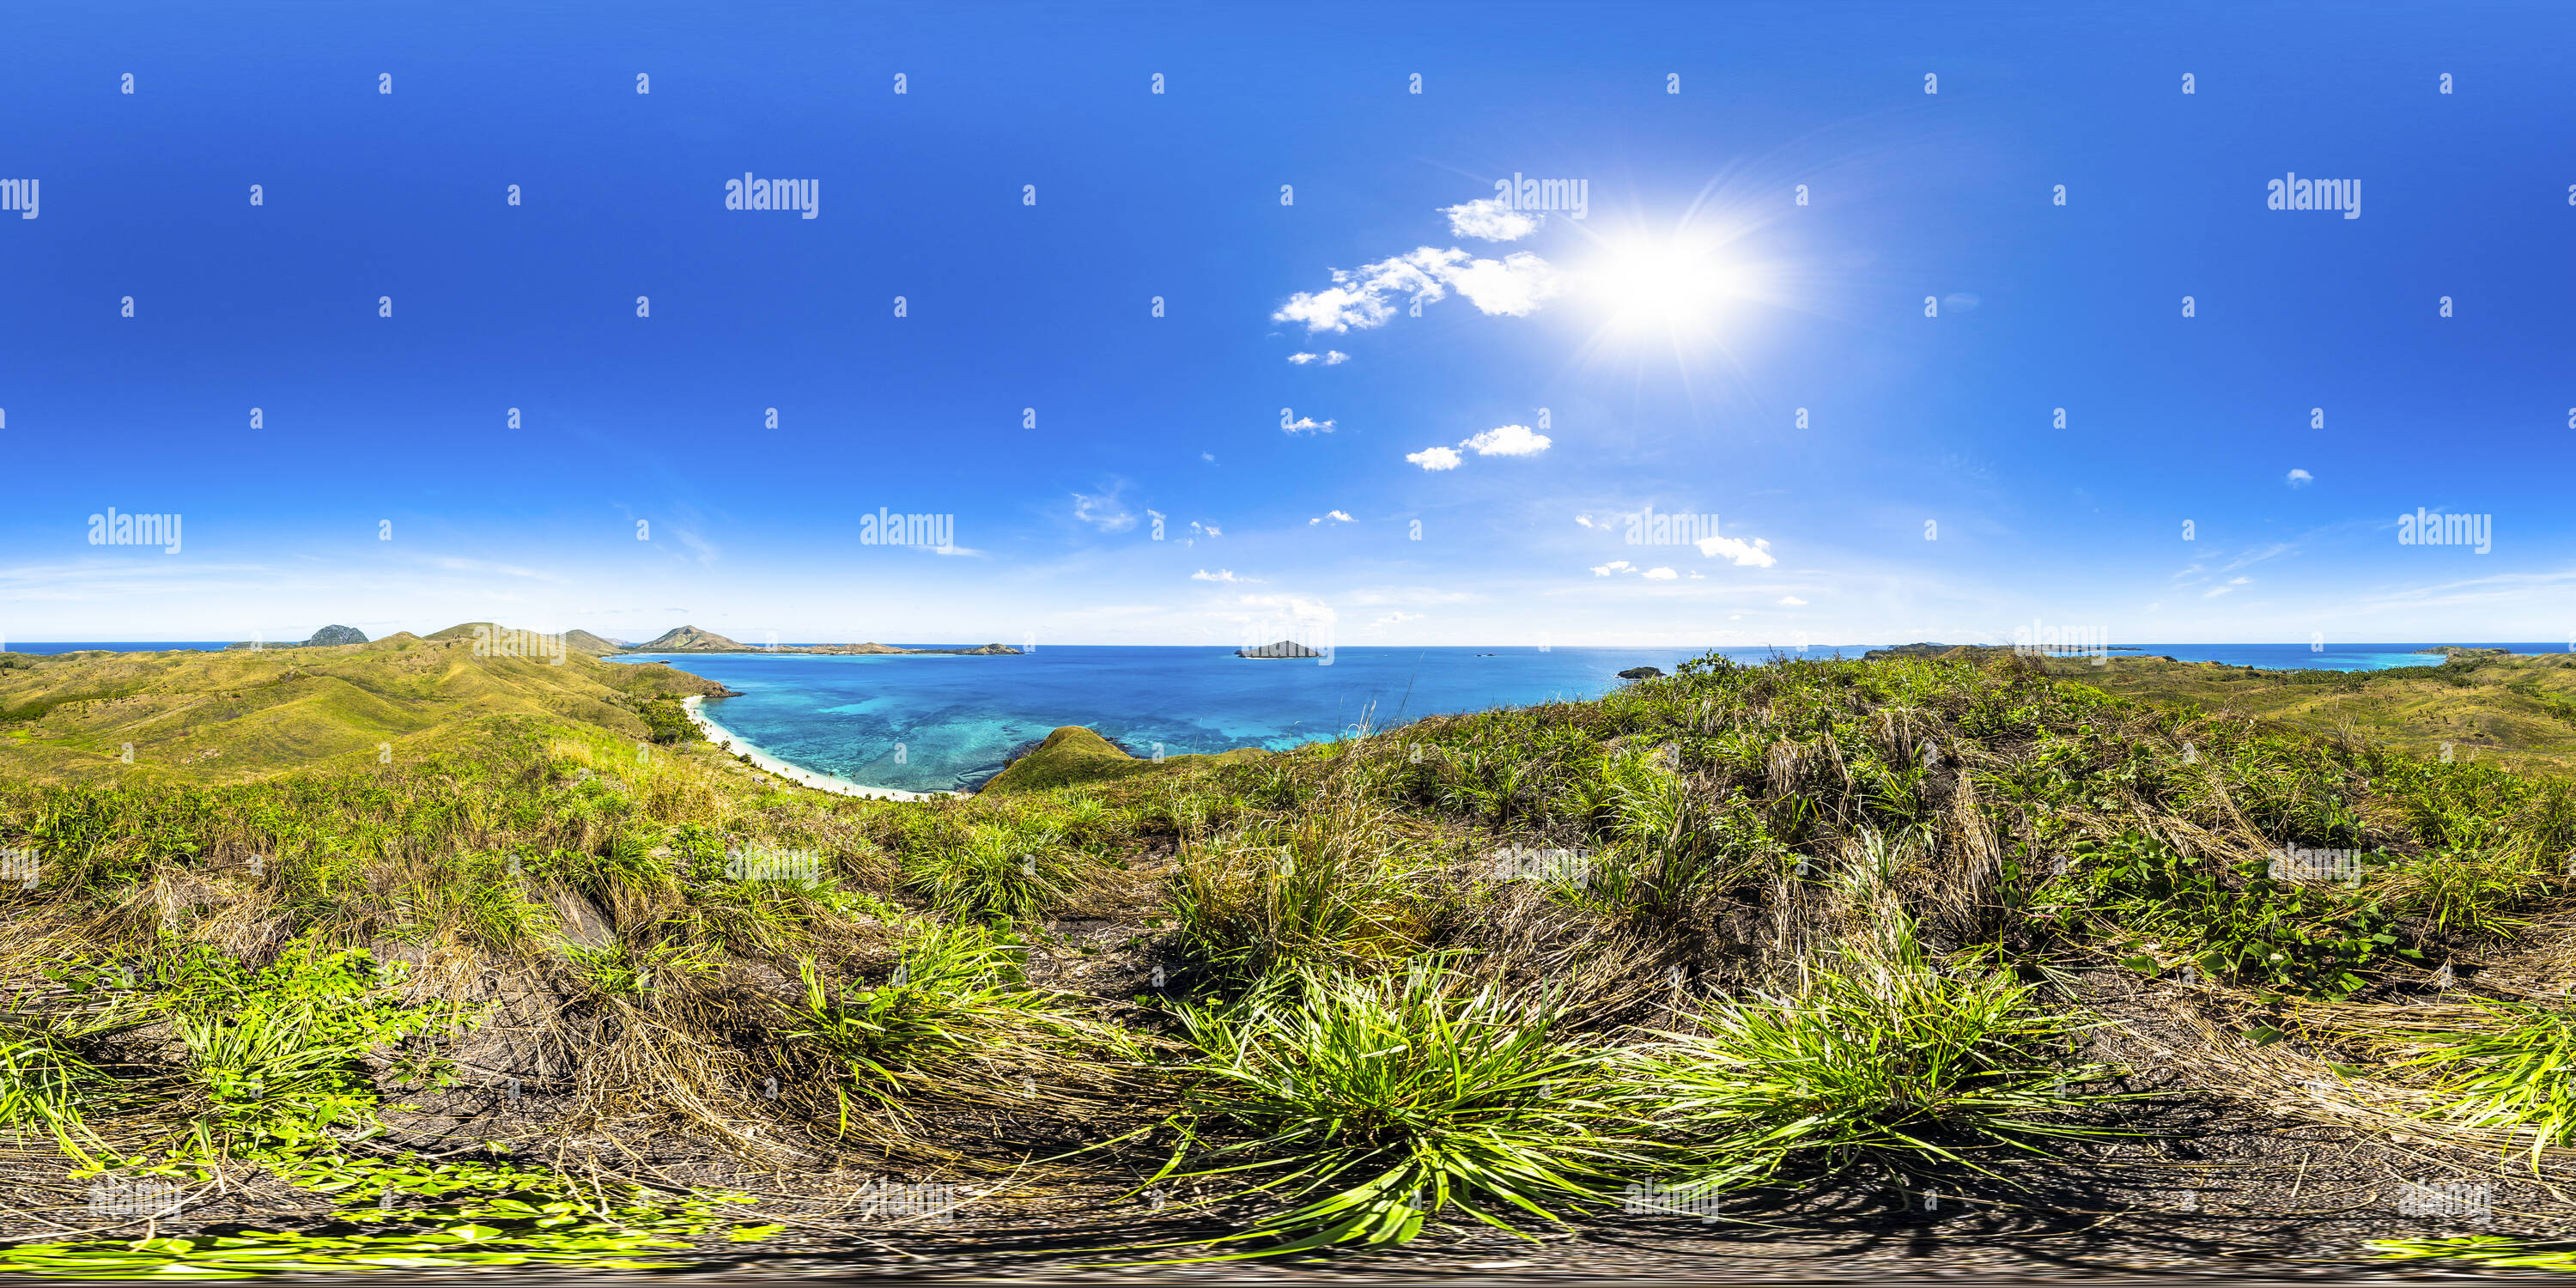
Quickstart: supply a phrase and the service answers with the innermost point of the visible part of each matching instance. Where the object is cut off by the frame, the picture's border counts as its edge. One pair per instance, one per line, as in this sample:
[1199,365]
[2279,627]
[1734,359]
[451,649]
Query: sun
[1662,285]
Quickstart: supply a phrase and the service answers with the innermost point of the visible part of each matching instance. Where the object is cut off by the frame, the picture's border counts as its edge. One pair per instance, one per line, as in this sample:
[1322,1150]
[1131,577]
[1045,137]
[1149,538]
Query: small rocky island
[326,637]
[1284,648]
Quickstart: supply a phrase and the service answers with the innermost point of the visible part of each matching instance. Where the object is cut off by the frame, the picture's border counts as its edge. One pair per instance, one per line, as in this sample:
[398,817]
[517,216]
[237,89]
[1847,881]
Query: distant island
[682,639]
[323,638]
[691,639]
[1284,648]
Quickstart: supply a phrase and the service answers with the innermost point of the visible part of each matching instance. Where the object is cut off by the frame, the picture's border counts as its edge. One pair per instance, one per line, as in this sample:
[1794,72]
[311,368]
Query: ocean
[930,722]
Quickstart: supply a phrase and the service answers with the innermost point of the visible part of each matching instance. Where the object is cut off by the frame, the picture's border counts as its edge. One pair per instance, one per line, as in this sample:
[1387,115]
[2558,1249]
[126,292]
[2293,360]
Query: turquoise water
[929,722]
[935,723]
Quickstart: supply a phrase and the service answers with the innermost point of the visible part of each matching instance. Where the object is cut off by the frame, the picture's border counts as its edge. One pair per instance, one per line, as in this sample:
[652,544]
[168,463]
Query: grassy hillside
[1947,956]
[234,715]
[2515,711]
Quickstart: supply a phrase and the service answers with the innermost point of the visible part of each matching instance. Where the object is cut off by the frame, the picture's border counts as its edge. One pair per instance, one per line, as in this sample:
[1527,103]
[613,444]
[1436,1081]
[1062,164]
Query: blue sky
[1670,334]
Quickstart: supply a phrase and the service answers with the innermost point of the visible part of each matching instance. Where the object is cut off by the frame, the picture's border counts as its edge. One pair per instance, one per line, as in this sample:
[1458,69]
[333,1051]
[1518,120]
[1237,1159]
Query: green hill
[2517,711]
[222,716]
[1074,756]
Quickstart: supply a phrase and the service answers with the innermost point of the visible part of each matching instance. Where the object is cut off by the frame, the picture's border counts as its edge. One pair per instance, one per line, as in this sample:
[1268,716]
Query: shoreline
[726,739]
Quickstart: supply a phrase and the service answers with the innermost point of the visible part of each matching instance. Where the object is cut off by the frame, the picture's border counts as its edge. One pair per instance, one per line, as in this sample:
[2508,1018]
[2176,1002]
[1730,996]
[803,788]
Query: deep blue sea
[957,720]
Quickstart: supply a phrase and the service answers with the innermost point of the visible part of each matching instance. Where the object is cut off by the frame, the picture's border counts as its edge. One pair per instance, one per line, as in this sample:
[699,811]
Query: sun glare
[1662,285]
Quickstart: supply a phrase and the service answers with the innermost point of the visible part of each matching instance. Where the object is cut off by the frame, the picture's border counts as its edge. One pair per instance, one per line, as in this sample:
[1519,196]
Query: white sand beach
[724,738]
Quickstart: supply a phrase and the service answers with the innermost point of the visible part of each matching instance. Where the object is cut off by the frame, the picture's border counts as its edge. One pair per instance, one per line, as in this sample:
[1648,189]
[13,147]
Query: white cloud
[1334,515]
[1792,601]
[1392,619]
[1660,574]
[1308,425]
[1491,220]
[1329,357]
[1742,555]
[1514,285]
[1104,512]
[1586,521]
[2301,478]
[1208,529]
[1508,440]
[1615,565]
[2215,592]
[1221,574]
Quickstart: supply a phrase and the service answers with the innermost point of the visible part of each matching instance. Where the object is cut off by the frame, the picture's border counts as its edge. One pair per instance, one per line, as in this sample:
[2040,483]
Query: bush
[1364,1106]
[1882,1058]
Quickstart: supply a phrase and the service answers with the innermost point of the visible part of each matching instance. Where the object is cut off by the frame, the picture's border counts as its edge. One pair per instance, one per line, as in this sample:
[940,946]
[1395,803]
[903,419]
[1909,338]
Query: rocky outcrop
[1284,648]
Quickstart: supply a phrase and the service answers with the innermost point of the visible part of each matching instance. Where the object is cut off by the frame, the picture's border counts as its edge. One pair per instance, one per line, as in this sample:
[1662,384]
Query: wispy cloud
[1336,516]
[1221,574]
[1105,510]
[1307,425]
[1329,357]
